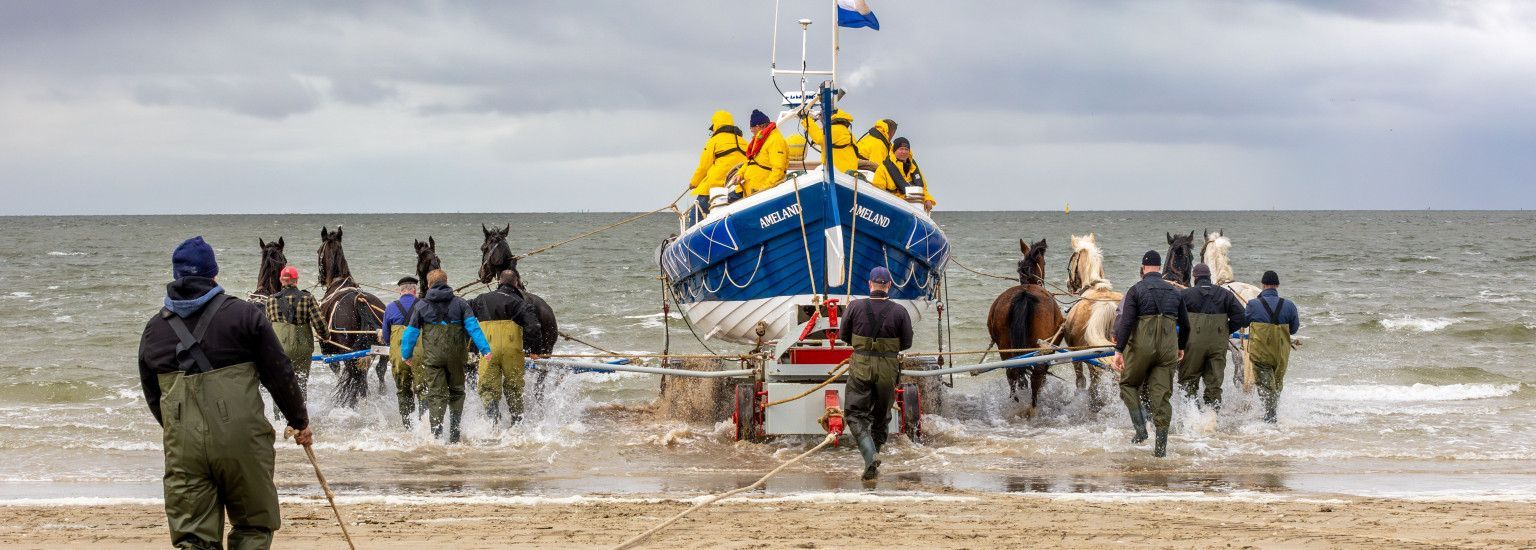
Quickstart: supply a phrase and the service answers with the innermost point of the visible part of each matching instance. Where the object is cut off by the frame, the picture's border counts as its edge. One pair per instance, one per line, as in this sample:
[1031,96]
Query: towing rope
[637,539]
[670,206]
[841,368]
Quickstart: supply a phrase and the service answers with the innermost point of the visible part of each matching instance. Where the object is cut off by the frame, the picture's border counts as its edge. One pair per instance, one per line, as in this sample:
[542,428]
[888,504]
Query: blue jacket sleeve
[472,326]
[1295,315]
[408,341]
[391,313]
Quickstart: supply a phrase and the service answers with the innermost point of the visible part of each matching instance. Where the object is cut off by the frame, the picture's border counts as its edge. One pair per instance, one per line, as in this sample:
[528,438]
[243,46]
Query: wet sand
[947,520]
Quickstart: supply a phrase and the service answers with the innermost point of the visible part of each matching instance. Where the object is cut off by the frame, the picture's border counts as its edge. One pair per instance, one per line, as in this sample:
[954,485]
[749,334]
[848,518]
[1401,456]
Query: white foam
[1456,495]
[1181,496]
[21,294]
[82,501]
[1419,324]
[1416,392]
[58,253]
[578,500]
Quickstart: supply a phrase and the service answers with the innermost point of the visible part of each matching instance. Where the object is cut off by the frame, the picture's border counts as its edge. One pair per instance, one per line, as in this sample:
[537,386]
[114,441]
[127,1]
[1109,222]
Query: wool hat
[899,143]
[1202,271]
[758,118]
[1271,278]
[290,272]
[193,258]
[407,280]
[880,275]
[1151,259]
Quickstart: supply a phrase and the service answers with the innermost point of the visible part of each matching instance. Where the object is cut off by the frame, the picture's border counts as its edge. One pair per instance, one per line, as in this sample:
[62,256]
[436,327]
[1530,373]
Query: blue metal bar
[341,356]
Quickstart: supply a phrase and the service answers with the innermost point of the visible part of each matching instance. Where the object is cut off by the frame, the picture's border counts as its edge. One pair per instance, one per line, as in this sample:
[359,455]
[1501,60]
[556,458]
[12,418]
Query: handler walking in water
[1272,321]
[295,318]
[1214,314]
[200,359]
[408,382]
[511,326]
[445,325]
[878,329]
[1150,336]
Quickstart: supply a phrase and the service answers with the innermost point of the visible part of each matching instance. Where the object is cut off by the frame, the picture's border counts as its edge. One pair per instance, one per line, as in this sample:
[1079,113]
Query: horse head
[426,258]
[333,261]
[1086,266]
[1032,266]
[495,254]
[272,262]
[1180,259]
[1215,255]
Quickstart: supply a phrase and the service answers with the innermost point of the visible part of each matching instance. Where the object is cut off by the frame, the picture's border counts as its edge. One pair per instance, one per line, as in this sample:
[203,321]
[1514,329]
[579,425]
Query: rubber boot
[867,449]
[453,427]
[1160,448]
[493,413]
[1138,421]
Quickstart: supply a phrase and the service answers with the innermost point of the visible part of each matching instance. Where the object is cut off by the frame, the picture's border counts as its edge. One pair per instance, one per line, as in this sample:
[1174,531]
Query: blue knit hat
[758,118]
[880,275]
[194,258]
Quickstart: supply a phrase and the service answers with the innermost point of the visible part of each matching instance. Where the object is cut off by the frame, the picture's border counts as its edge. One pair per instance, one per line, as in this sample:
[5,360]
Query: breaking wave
[1419,324]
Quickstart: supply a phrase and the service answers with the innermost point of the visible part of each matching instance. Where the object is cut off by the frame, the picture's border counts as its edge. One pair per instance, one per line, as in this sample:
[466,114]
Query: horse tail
[1019,314]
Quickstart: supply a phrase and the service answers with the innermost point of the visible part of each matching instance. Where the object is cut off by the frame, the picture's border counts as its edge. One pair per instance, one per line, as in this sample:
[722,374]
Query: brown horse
[1179,263]
[495,257]
[272,262]
[1091,320]
[352,319]
[1022,316]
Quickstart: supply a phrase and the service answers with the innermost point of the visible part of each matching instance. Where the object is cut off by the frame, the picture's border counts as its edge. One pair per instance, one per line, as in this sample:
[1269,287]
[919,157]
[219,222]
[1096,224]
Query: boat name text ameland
[776,217]
[870,215]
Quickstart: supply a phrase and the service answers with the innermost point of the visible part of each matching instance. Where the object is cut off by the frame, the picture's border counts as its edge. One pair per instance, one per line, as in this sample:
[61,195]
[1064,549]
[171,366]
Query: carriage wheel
[910,401]
[749,426]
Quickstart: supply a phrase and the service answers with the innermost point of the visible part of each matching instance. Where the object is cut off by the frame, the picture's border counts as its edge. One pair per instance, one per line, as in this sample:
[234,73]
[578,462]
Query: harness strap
[896,174]
[1280,304]
[190,358]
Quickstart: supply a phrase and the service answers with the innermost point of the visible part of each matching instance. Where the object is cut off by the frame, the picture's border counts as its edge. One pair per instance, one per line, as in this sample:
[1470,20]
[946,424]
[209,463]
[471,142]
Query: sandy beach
[839,520]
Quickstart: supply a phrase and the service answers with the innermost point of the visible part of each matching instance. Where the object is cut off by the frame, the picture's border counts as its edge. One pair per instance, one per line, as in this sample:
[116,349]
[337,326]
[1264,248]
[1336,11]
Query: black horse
[272,262]
[352,319]
[496,256]
[1180,261]
[426,259]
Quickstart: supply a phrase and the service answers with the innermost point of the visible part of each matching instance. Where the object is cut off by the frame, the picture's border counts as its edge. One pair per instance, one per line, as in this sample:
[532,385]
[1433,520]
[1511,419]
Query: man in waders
[878,329]
[200,360]
[442,326]
[296,319]
[1271,321]
[1214,314]
[408,382]
[1150,336]
[511,325]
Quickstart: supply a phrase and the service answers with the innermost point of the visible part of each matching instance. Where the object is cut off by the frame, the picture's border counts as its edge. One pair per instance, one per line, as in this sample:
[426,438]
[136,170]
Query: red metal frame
[834,423]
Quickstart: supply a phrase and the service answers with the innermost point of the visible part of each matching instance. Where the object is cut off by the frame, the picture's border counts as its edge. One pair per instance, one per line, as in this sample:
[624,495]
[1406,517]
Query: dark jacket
[506,303]
[1151,296]
[859,319]
[1210,299]
[1287,315]
[398,312]
[240,334]
[441,307]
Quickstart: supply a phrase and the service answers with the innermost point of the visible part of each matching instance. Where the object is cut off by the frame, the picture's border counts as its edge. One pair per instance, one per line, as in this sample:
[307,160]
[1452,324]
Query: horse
[352,319]
[1180,260]
[496,256]
[1091,320]
[426,259]
[1022,316]
[268,281]
[1214,254]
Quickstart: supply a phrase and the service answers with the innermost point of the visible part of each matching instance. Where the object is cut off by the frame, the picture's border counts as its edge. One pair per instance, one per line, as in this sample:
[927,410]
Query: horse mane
[1090,263]
[1215,256]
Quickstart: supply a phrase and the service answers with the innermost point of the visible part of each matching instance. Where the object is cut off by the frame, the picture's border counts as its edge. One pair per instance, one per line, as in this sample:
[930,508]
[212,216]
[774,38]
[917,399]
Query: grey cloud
[263,97]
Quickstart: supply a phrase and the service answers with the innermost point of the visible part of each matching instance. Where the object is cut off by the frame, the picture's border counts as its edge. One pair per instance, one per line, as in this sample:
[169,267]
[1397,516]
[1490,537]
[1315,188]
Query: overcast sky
[145,107]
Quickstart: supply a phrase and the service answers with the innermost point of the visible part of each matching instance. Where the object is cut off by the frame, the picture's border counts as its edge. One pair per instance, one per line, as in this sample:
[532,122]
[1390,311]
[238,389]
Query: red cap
[290,272]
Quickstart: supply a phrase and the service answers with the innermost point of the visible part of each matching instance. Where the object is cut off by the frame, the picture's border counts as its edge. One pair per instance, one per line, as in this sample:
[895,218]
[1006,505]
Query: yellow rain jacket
[765,170]
[876,143]
[895,175]
[722,152]
[845,153]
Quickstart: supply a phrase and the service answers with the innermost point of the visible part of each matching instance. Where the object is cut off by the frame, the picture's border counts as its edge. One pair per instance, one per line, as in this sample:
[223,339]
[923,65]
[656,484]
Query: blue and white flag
[856,14]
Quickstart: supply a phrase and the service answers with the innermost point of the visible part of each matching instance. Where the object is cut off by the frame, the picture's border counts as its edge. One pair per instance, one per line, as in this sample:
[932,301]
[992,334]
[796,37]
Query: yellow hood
[720,120]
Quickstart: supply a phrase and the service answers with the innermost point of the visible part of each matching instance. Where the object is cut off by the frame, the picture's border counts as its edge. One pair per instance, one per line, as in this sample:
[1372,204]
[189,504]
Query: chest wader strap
[1280,305]
[190,358]
[879,322]
[287,306]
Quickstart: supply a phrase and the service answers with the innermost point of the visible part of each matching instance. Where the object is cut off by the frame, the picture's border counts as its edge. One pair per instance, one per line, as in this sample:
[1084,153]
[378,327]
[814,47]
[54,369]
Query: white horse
[1214,254]
[1090,321]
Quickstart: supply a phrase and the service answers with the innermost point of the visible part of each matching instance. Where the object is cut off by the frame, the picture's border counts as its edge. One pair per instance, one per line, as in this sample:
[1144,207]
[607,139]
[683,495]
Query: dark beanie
[1271,278]
[193,258]
[758,118]
[1202,271]
[899,143]
[1151,259]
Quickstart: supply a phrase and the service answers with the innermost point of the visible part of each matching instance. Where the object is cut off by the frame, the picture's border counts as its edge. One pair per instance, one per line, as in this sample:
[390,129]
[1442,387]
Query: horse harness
[190,358]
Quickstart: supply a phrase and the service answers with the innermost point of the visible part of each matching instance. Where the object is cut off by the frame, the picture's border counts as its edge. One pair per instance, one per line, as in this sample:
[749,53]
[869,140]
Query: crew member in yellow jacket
[767,157]
[845,153]
[876,143]
[900,171]
[723,152]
